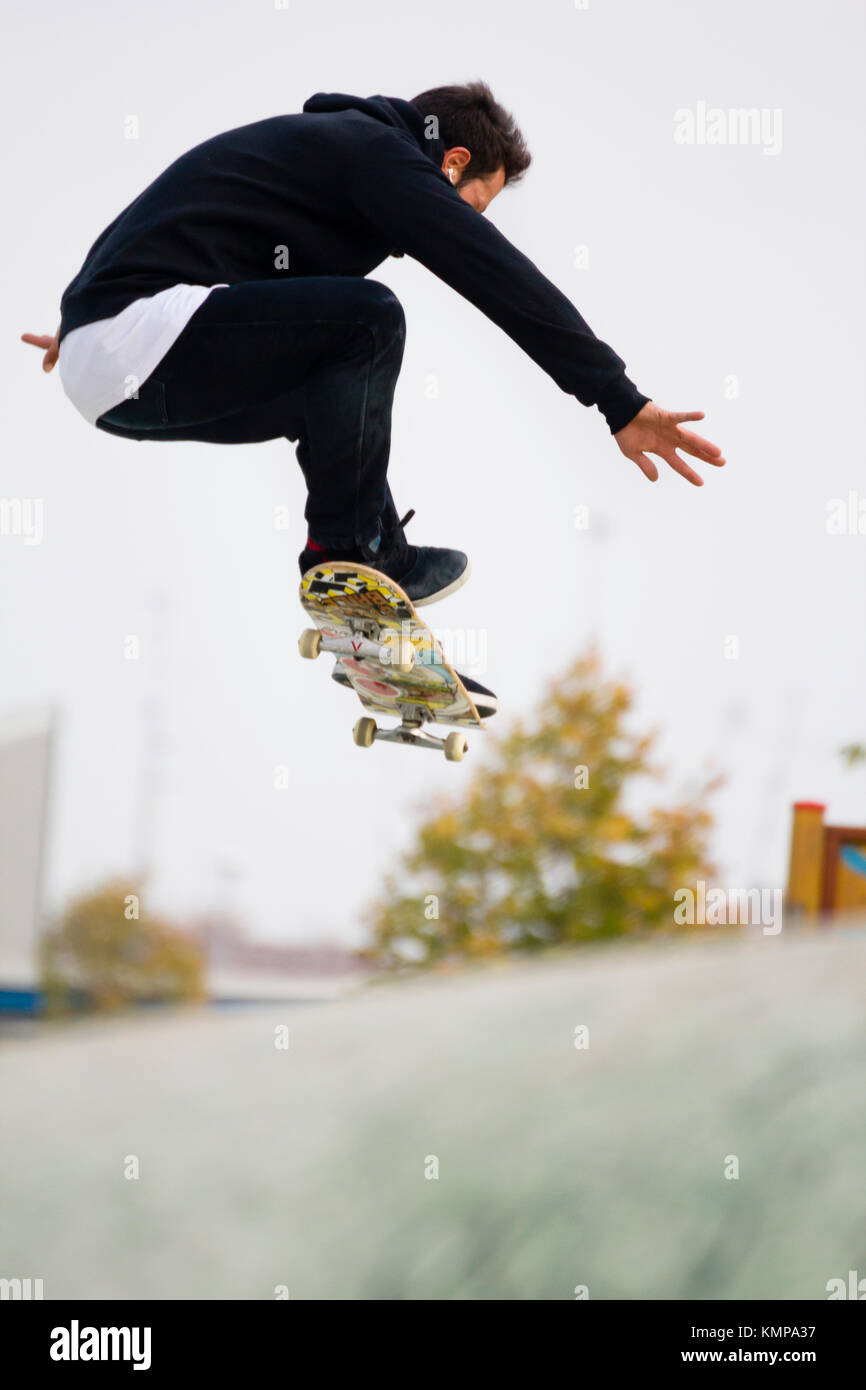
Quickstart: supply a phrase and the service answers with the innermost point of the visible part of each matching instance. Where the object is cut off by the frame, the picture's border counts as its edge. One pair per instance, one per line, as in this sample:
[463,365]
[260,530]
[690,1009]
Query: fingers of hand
[700,448]
[646,466]
[680,466]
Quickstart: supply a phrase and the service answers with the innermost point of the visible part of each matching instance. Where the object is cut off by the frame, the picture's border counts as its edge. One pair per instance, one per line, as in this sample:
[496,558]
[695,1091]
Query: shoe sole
[484,708]
[449,588]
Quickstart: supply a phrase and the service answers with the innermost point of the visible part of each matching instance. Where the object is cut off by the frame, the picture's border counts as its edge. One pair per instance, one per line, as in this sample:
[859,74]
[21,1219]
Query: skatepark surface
[444,1138]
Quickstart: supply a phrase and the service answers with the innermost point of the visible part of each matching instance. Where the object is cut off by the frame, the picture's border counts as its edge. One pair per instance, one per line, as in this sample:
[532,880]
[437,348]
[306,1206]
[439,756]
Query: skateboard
[390,657]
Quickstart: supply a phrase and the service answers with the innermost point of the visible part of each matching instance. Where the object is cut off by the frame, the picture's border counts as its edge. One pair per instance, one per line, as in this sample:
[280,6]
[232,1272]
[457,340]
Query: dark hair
[470,115]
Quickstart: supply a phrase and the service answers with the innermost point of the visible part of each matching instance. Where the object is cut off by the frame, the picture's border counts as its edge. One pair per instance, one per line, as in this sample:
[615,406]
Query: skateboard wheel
[364,732]
[455,747]
[398,653]
[310,643]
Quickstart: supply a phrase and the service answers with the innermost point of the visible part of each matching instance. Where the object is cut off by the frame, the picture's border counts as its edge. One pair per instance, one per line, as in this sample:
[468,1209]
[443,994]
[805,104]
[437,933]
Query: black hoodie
[341,186]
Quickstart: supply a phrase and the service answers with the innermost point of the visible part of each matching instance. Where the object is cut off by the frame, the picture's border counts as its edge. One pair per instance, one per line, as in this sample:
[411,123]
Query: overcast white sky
[705,264]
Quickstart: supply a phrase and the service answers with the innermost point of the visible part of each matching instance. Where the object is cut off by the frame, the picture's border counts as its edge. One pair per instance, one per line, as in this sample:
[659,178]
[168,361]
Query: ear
[457,158]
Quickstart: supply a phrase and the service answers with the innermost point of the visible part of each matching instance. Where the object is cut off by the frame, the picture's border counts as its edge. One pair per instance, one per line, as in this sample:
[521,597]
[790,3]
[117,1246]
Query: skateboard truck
[391,650]
[397,652]
[411,730]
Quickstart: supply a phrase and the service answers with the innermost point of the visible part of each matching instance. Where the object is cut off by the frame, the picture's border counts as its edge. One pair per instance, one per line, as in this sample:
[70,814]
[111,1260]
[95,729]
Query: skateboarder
[228,303]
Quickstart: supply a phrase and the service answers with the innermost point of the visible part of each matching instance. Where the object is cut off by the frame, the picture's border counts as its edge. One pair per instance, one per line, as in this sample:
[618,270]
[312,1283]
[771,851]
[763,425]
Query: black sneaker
[309,559]
[425,573]
[484,700]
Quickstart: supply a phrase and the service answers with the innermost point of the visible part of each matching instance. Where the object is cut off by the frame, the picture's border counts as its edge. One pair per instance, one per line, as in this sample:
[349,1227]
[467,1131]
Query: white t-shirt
[104,363]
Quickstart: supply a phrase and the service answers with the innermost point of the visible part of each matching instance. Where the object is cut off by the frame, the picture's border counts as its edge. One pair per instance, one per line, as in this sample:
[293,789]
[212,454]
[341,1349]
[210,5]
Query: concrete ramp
[608,1166]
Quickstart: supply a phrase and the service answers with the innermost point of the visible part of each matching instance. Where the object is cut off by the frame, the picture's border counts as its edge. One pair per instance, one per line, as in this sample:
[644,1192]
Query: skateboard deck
[388,654]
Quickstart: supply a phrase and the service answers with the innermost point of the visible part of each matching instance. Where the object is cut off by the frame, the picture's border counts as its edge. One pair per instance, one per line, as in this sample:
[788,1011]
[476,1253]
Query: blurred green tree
[541,849]
[105,954]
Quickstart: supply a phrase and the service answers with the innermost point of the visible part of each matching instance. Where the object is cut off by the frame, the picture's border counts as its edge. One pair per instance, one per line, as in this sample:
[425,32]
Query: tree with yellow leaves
[542,848]
[107,954]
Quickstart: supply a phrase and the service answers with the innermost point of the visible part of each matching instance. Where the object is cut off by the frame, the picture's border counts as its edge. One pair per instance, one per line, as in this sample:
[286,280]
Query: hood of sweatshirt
[392,111]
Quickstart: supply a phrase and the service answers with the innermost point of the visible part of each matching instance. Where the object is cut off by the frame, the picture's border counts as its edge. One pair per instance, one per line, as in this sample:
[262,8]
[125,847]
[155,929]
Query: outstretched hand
[48,345]
[657,431]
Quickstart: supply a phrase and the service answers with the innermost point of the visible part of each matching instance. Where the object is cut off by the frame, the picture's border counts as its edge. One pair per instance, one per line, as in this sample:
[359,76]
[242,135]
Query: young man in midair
[228,303]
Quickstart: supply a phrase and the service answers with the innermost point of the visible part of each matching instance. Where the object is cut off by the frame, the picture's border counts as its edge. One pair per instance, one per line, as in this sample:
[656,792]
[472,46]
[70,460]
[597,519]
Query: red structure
[827,868]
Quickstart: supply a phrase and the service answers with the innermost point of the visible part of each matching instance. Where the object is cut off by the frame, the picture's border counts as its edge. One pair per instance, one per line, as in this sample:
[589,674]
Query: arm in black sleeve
[400,191]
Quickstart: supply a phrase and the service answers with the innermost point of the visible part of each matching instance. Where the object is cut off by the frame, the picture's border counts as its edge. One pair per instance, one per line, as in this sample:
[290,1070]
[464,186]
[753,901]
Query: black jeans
[314,360]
